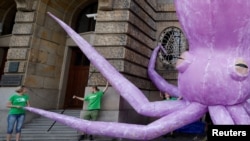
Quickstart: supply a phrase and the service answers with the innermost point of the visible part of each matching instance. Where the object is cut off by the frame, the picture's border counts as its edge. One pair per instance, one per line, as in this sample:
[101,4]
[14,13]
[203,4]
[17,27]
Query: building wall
[126,33]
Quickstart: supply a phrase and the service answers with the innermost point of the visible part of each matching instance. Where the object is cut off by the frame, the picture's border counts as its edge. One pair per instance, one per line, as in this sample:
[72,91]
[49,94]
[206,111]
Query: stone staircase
[37,130]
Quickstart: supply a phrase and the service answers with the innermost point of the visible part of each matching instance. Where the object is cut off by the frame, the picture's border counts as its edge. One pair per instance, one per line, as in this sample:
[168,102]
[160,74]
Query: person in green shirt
[94,105]
[16,114]
[166,96]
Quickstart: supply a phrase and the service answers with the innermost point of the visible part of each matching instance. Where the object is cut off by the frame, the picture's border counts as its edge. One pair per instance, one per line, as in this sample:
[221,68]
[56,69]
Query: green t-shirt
[18,100]
[94,100]
[172,98]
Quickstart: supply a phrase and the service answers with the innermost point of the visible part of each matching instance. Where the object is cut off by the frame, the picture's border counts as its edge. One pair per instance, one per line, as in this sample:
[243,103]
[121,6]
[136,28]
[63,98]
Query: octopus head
[215,70]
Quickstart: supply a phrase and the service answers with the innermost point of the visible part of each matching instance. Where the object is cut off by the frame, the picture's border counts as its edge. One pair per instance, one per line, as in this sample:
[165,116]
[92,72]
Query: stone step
[52,131]
[58,138]
[37,129]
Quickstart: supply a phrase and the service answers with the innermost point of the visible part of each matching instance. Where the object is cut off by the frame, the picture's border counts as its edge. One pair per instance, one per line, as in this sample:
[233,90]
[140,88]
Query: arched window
[9,22]
[84,23]
[173,41]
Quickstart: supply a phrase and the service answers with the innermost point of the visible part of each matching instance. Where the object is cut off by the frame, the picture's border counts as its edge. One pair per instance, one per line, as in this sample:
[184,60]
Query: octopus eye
[242,65]
[183,62]
[240,70]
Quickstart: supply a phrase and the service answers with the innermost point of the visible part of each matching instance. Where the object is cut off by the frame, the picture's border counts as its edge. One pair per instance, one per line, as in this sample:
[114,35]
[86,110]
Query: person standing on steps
[166,96]
[94,105]
[16,114]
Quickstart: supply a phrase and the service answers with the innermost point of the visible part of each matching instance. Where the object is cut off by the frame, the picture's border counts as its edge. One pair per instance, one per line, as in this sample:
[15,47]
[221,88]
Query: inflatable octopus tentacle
[247,106]
[125,88]
[161,108]
[220,115]
[239,114]
[155,129]
[122,85]
[160,82]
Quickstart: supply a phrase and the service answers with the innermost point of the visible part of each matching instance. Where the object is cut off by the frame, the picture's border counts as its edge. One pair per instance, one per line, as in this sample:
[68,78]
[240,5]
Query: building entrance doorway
[3,59]
[77,78]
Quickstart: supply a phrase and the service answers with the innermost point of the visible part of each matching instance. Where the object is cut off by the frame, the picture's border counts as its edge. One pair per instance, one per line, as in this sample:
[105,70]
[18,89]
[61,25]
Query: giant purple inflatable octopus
[213,74]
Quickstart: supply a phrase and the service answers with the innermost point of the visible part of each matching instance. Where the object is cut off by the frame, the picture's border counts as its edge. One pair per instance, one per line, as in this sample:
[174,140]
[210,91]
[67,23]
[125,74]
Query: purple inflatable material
[158,80]
[213,74]
[215,70]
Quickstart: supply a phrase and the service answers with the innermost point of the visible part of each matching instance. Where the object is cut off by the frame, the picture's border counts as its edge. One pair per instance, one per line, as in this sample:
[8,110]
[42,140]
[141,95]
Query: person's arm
[9,105]
[105,89]
[79,98]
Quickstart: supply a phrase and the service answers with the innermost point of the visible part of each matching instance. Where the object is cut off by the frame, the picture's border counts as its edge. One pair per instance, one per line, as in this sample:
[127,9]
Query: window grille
[173,41]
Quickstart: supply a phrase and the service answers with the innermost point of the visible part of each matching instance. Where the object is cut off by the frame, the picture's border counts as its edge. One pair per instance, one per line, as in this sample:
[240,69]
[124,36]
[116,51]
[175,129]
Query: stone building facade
[36,52]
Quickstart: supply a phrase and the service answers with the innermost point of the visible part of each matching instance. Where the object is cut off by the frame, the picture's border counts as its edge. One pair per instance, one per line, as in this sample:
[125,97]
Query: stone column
[22,32]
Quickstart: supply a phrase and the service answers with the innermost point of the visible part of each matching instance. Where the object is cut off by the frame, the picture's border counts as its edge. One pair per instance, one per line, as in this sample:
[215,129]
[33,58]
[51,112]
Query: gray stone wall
[37,44]
[126,31]
[20,42]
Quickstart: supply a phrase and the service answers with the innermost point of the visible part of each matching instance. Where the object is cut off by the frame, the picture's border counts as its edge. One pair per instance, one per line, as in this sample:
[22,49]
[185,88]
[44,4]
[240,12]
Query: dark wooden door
[3,59]
[77,79]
